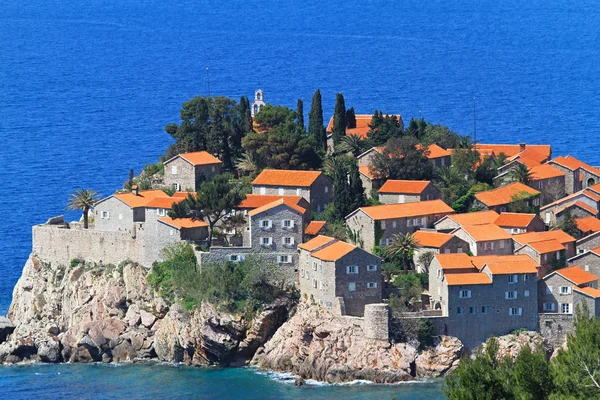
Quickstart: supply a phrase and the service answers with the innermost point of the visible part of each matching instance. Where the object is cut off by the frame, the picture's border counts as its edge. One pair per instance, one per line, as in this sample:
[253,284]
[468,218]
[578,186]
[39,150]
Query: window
[409,222]
[513,278]
[526,293]
[314,265]
[263,190]
[548,289]
[371,268]
[460,310]
[172,232]
[160,212]
[372,285]
[464,294]
[439,273]
[525,277]
[558,255]
[281,191]
[587,268]
[266,224]
[472,310]
[213,169]
[484,309]
[548,217]
[352,269]
[288,241]
[120,217]
[515,230]
[315,283]
[565,308]
[237,258]
[284,259]
[548,306]
[394,224]
[446,251]
[287,223]
[459,250]
[510,295]
[501,244]
[174,170]
[488,245]
[321,268]
[176,187]
[105,215]
[352,286]
[515,311]
[266,241]
[565,290]
[298,192]
[382,224]
[302,272]
[326,189]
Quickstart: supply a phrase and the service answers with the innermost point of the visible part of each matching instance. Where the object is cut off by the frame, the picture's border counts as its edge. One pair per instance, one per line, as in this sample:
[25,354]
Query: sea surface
[87,87]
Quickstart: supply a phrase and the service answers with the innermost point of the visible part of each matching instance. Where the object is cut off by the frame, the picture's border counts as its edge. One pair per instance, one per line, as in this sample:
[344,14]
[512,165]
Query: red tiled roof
[258,200]
[436,151]
[286,178]
[183,194]
[432,239]
[504,194]
[511,150]
[572,163]
[366,171]
[472,278]
[334,251]
[183,223]
[404,210]
[530,157]
[314,227]
[475,218]
[546,246]
[486,232]
[513,267]
[480,261]
[577,275]
[316,242]
[362,125]
[164,202]
[586,207]
[402,186]
[517,220]
[545,171]
[455,261]
[139,200]
[561,236]
[274,204]
[588,224]
[200,158]
[592,292]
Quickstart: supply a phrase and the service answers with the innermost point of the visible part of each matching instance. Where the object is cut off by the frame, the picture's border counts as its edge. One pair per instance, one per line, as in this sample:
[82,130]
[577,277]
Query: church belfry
[258,102]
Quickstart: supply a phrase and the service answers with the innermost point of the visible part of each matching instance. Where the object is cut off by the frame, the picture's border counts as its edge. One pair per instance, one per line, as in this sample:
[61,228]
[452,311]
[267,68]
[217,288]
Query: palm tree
[404,247]
[332,165]
[351,144]
[521,173]
[248,163]
[83,199]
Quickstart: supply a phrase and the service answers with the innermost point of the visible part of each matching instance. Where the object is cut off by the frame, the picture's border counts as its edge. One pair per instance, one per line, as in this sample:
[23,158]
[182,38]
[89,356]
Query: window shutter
[291,223]
[571,308]
[506,295]
[347,270]
[468,294]
[241,257]
[292,242]
[520,311]
[516,278]
[283,224]
[569,290]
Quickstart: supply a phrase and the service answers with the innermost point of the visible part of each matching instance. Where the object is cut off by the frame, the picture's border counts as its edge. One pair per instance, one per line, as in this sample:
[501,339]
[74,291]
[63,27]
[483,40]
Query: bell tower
[258,103]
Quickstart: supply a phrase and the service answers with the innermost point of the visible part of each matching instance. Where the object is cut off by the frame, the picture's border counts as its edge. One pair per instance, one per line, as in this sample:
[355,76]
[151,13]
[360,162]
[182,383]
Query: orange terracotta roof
[362,125]
[588,224]
[486,232]
[142,198]
[183,223]
[561,236]
[200,158]
[334,251]
[436,151]
[259,200]
[530,157]
[591,292]
[366,171]
[511,150]
[480,261]
[274,204]
[546,246]
[432,239]
[286,178]
[183,194]
[517,220]
[475,218]
[314,227]
[404,210]
[504,194]
[316,242]
[472,278]
[572,163]
[591,194]
[580,204]
[164,202]
[455,261]
[513,267]
[402,186]
[545,171]
[577,275]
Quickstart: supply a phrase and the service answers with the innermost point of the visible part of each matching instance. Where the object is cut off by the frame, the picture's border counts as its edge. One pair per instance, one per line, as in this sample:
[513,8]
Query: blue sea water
[87,87]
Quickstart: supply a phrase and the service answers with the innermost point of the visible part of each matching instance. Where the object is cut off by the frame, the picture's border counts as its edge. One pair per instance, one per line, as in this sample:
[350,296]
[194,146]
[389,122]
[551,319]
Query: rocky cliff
[317,345]
[84,313]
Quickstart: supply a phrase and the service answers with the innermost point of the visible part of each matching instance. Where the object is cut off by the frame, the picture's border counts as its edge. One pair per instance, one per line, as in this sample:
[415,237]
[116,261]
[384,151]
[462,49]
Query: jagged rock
[50,351]
[6,328]
[147,318]
[510,345]
[441,358]
[132,317]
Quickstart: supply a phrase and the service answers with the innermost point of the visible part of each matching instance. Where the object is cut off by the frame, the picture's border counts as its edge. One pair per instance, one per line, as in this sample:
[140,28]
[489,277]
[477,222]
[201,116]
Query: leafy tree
[316,129]
[410,287]
[464,162]
[342,197]
[416,128]
[443,137]
[351,144]
[300,113]
[569,224]
[83,199]
[401,158]
[521,203]
[383,128]
[486,171]
[403,246]
[452,185]
[425,260]
[350,118]
[213,200]
[521,173]
[339,119]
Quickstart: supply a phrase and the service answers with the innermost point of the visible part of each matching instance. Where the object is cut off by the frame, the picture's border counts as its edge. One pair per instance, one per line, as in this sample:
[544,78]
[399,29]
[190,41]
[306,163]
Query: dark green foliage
[486,171]
[282,142]
[350,118]
[130,180]
[530,377]
[383,128]
[465,203]
[521,173]
[464,162]
[316,129]
[300,113]
[352,144]
[569,224]
[410,286]
[416,128]
[339,119]
[443,137]
[348,192]
[522,203]
[390,269]
[403,246]
[213,200]
[402,159]
[357,191]
[425,335]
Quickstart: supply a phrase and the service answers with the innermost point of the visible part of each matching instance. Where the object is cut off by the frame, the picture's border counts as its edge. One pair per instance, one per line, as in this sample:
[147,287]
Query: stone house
[550,249]
[361,129]
[185,171]
[486,239]
[314,186]
[500,198]
[254,201]
[578,175]
[530,157]
[378,224]
[555,290]
[454,221]
[275,230]
[436,243]
[400,191]
[588,242]
[588,225]
[539,153]
[160,207]
[548,180]
[314,228]
[515,223]
[369,181]
[120,211]
[582,204]
[438,156]
[339,276]
[588,260]
[589,296]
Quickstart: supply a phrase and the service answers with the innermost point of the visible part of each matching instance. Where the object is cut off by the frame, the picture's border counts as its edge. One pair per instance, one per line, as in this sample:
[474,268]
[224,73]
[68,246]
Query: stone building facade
[589,260]
[436,243]
[185,171]
[120,211]
[555,290]
[499,199]
[487,239]
[454,221]
[397,191]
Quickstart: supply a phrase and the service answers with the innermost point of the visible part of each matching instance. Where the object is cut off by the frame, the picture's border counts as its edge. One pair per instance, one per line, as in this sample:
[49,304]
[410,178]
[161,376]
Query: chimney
[522,146]
[134,190]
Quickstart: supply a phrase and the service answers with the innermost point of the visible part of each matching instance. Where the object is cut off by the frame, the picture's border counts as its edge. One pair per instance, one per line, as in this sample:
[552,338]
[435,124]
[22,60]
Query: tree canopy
[402,158]
[339,119]
[316,129]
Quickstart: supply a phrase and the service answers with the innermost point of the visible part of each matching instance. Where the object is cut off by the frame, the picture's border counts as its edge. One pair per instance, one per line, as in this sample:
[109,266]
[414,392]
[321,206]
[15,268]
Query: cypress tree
[300,111]
[130,182]
[350,118]
[342,198]
[339,119]
[315,121]
[357,191]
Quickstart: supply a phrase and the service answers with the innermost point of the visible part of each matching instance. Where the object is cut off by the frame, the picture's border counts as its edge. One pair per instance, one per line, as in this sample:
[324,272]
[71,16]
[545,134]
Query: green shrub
[75,262]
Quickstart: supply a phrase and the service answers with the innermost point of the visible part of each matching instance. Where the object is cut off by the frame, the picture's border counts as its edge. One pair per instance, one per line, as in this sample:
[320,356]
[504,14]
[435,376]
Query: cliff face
[84,313]
[316,345]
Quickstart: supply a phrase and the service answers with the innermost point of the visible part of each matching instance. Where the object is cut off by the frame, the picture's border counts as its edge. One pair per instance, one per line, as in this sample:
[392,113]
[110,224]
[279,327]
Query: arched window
[258,96]
[255,108]
[591,182]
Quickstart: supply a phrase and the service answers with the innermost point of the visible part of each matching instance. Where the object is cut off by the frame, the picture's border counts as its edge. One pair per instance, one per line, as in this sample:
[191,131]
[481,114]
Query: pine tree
[350,118]
[339,119]
[315,121]
[300,111]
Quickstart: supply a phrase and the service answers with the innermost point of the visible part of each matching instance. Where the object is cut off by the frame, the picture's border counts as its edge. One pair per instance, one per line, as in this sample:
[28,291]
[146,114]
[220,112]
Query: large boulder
[6,328]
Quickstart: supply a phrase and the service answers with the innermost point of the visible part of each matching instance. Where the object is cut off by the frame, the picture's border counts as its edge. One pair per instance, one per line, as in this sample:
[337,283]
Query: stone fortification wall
[554,327]
[376,321]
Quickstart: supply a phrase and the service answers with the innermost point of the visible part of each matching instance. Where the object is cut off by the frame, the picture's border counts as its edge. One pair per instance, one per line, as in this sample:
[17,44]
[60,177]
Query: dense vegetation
[573,374]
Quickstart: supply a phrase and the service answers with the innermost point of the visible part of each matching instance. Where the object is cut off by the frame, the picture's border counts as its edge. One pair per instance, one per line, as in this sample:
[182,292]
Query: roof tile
[183,223]
[577,275]
[403,186]
[486,232]
[334,251]
[286,178]
[200,158]
[316,242]
[517,220]
[504,194]
[139,200]
[472,278]
[405,210]
[432,239]
[314,227]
